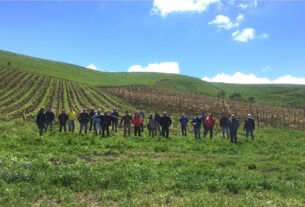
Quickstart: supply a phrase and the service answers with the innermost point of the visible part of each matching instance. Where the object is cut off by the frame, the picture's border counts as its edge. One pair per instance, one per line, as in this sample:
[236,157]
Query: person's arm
[253,125]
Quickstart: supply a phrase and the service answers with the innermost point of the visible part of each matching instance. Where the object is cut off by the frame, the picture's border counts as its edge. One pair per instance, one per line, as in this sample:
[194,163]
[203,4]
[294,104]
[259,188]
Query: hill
[267,94]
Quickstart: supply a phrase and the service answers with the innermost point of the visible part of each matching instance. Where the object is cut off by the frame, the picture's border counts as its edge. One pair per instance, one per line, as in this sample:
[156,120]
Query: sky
[245,41]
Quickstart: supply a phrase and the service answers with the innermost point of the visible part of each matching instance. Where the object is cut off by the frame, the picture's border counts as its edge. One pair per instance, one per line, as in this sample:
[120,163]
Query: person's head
[249,116]
[63,111]
[210,114]
[92,110]
[233,115]
[42,109]
[50,109]
[106,113]
[164,113]
[114,109]
[126,112]
[99,111]
[137,114]
[182,115]
[84,110]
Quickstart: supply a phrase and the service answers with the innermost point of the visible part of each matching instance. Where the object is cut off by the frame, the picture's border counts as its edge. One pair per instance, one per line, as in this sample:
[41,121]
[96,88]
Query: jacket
[151,123]
[72,116]
[127,120]
[83,118]
[209,121]
[106,120]
[233,124]
[165,121]
[97,118]
[41,119]
[196,122]
[63,118]
[183,121]
[224,121]
[115,115]
[137,121]
[249,124]
[50,116]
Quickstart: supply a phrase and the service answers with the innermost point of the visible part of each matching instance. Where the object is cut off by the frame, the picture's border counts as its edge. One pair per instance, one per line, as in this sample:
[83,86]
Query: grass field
[73,170]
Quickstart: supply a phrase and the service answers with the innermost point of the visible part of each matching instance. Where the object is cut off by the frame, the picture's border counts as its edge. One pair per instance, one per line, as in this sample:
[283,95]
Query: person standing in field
[50,119]
[97,122]
[115,120]
[197,125]
[224,126]
[127,121]
[91,114]
[83,119]
[72,115]
[151,125]
[165,122]
[203,117]
[137,122]
[106,122]
[183,121]
[142,115]
[249,126]
[41,121]
[62,118]
[233,125]
[157,120]
[209,123]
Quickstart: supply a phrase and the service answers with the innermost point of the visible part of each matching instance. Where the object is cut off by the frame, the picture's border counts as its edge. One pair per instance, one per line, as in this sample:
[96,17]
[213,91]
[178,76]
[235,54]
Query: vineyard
[177,103]
[23,94]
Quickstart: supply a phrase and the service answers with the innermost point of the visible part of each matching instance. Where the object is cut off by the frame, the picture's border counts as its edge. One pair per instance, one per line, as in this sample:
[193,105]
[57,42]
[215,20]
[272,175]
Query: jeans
[97,128]
[71,125]
[197,132]
[183,131]
[83,126]
[137,131]
[225,131]
[209,129]
[250,131]
[165,132]
[62,125]
[233,136]
[49,123]
[152,132]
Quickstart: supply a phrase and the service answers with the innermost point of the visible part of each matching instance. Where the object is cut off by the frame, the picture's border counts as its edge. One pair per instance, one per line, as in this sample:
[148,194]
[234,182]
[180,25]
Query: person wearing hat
[165,122]
[249,126]
[233,125]
[115,120]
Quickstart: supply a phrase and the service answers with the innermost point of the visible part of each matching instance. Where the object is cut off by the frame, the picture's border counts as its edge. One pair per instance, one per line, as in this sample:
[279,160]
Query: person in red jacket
[209,122]
[137,121]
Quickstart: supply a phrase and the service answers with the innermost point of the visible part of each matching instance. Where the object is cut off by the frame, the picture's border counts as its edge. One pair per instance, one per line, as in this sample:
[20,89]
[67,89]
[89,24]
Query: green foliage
[87,170]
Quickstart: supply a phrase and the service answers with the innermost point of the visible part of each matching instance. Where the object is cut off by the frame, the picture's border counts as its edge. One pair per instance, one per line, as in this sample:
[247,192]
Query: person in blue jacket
[249,126]
[183,121]
[197,126]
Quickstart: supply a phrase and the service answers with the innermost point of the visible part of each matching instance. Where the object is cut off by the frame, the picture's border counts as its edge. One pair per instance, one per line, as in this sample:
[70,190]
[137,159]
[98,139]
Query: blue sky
[216,39]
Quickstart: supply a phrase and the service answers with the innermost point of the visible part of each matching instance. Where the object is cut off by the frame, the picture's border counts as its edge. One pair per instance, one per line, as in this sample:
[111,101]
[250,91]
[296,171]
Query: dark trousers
[225,131]
[137,131]
[152,132]
[71,125]
[250,131]
[105,129]
[183,131]
[83,126]
[91,125]
[233,136]
[142,127]
[62,125]
[208,129]
[41,131]
[197,132]
[165,132]
[115,124]
[49,124]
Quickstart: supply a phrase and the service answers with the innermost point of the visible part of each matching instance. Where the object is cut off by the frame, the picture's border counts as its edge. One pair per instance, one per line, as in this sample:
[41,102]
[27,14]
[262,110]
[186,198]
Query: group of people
[100,123]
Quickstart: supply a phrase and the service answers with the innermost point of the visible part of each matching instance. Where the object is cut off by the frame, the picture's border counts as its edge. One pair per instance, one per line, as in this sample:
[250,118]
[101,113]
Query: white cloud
[247,34]
[248,5]
[163,67]
[225,22]
[165,7]
[91,66]
[241,78]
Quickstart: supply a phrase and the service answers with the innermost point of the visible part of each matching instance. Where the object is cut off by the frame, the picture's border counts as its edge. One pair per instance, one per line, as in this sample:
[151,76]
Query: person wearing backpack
[137,121]
[41,121]
[127,121]
[197,126]
[209,123]
[233,125]
[183,121]
[83,119]
[249,126]
[62,118]
[224,126]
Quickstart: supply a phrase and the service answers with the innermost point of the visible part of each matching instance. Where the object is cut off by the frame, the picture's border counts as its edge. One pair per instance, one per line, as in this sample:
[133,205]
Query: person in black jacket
[157,119]
[249,126]
[50,119]
[224,126]
[165,122]
[106,123]
[115,120]
[233,125]
[91,114]
[62,118]
[83,119]
[41,121]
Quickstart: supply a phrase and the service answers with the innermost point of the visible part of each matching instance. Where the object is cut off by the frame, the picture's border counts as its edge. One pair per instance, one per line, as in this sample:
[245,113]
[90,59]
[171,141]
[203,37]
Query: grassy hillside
[268,94]
[73,170]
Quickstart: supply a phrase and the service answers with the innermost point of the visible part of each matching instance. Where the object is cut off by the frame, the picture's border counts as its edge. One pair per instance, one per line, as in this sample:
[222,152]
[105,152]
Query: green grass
[267,94]
[73,170]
